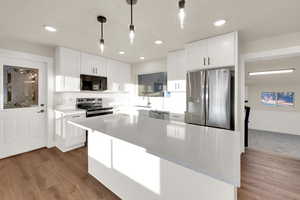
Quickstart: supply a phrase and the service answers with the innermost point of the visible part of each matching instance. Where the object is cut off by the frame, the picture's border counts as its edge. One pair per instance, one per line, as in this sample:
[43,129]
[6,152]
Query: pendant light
[131,26]
[102,20]
[181,14]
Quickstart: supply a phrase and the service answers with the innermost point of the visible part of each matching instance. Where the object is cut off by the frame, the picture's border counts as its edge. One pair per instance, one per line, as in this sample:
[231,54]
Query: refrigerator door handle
[189,85]
[206,97]
[204,61]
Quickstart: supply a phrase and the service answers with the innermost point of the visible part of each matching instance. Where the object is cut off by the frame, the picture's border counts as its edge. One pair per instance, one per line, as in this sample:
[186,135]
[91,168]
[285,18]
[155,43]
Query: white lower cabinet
[68,136]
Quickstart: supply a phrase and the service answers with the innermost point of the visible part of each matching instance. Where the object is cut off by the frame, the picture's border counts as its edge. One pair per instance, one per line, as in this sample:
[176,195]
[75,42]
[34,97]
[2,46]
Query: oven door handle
[98,112]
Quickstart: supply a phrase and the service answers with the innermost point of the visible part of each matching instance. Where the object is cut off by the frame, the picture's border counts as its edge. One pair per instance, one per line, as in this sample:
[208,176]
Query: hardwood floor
[48,174]
[269,177]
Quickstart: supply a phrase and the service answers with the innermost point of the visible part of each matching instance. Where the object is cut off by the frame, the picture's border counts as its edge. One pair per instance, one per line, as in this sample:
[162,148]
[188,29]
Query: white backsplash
[175,103]
[68,100]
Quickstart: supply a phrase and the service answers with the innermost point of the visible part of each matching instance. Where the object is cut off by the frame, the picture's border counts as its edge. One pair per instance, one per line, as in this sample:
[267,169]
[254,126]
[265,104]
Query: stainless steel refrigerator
[210,98]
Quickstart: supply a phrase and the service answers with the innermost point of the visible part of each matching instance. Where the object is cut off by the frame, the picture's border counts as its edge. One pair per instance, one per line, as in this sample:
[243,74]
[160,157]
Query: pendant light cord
[101,30]
[131,6]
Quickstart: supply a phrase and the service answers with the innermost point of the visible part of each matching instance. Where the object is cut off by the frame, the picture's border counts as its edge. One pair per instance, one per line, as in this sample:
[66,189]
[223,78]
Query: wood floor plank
[49,174]
[269,177]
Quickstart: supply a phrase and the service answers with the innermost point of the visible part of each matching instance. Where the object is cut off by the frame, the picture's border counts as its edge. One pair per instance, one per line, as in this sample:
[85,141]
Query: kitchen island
[138,157]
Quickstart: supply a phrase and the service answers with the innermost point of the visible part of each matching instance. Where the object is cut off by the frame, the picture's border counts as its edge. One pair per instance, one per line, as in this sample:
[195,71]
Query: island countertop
[210,151]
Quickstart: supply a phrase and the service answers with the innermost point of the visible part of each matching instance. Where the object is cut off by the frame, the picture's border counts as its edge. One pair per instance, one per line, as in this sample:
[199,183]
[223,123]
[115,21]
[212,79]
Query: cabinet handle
[76,116]
[208,60]
[204,61]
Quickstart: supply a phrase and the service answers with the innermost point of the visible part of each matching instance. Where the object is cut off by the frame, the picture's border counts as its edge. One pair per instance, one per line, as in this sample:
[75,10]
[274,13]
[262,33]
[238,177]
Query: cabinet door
[74,136]
[119,76]
[113,75]
[67,70]
[221,50]
[196,53]
[68,62]
[93,65]
[176,68]
[87,64]
[125,77]
[101,66]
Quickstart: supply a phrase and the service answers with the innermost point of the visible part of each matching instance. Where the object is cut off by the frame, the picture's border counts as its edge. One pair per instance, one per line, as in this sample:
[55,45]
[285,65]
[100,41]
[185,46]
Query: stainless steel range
[93,107]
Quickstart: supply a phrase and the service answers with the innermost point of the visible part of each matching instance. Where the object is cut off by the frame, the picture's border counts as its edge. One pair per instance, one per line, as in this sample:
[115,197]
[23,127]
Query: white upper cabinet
[221,50]
[70,64]
[67,69]
[196,54]
[93,65]
[213,52]
[119,76]
[176,68]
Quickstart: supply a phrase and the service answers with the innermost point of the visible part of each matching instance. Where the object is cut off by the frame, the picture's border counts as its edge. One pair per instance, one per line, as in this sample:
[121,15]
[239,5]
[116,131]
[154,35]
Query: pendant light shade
[102,45]
[181,14]
[131,26]
[102,20]
[131,34]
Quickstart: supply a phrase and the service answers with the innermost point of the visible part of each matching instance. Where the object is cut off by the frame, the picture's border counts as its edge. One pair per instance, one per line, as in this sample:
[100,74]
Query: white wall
[282,119]
[271,43]
[26,47]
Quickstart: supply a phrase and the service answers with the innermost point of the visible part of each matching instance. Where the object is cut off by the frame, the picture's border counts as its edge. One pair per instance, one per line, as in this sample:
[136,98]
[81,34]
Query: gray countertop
[213,152]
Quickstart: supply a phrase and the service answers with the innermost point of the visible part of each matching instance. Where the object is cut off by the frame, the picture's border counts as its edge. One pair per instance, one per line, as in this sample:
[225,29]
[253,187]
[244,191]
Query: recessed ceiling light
[142,58]
[220,22]
[158,42]
[121,52]
[50,28]
[284,71]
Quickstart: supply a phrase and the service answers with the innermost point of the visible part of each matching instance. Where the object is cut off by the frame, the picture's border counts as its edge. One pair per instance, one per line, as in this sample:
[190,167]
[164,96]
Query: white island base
[134,174]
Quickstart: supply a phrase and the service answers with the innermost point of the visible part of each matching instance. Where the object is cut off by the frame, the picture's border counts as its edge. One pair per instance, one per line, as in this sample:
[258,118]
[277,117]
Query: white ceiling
[275,64]
[154,19]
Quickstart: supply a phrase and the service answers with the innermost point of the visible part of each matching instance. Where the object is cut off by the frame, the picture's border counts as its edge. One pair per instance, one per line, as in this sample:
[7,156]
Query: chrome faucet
[148,101]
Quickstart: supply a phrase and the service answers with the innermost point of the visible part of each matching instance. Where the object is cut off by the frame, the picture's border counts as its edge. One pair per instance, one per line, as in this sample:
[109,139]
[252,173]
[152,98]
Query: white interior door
[22,106]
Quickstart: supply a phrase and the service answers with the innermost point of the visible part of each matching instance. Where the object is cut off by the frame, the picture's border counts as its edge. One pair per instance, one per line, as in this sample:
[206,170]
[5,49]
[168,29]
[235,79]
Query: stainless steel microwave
[93,83]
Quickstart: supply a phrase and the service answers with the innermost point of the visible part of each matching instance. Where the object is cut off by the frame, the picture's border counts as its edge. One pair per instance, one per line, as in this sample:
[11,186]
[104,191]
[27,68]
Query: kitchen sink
[157,114]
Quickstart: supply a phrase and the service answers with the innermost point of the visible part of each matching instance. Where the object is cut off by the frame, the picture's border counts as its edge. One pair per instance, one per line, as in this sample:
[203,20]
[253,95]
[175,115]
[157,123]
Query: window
[152,85]
[20,87]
